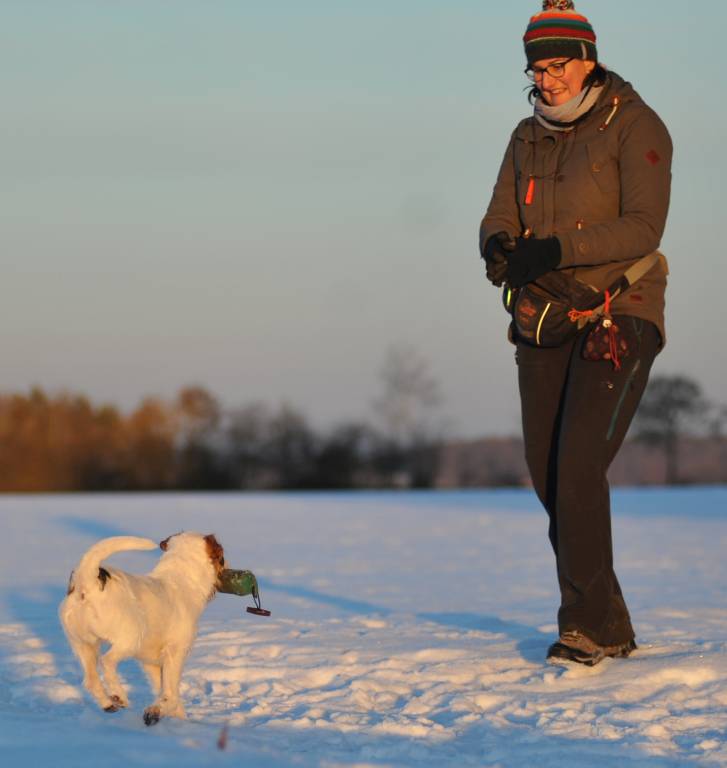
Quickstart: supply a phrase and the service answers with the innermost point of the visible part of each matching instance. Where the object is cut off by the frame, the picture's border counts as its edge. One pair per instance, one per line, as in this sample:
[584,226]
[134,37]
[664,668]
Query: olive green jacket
[602,189]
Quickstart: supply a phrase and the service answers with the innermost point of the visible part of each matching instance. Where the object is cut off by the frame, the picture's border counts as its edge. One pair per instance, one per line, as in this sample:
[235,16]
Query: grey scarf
[564,116]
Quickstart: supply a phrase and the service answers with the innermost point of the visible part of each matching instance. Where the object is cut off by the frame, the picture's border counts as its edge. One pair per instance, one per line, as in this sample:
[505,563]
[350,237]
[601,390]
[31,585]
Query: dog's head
[215,552]
[211,548]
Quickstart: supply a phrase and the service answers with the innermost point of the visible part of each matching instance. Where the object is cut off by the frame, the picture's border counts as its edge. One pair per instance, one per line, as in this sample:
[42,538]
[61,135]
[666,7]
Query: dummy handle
[242,583]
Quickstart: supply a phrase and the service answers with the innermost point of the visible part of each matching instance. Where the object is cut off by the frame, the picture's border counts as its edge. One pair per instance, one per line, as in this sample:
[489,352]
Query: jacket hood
[614,86]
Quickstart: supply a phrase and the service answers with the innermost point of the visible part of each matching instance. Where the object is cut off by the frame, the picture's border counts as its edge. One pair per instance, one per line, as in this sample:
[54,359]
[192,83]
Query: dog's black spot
[164,545]
[103,577]
[111,708]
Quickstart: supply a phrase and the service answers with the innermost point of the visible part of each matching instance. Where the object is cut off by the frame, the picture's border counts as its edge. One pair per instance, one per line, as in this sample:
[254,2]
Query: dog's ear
[214,549]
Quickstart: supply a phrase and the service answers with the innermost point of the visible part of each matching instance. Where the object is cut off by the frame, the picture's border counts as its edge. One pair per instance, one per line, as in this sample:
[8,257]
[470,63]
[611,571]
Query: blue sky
[263,197]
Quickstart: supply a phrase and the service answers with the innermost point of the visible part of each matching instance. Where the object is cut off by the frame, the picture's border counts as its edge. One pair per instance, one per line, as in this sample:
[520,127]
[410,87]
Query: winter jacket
[601,188]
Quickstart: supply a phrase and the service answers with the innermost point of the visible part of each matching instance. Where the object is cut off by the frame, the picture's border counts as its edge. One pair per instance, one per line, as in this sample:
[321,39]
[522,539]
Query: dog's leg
[88,656]
[109,662]
[169,703]
[171,678]
[154,675]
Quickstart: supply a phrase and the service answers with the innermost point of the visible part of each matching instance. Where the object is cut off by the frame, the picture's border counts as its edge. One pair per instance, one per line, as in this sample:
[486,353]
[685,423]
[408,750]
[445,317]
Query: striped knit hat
[559,31]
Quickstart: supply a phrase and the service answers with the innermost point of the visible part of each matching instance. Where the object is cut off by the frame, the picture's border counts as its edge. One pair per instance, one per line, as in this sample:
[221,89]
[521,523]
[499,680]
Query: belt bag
[551,310]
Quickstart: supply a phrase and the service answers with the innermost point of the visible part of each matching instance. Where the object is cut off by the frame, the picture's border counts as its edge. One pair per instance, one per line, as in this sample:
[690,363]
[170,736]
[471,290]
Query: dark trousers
[575,416]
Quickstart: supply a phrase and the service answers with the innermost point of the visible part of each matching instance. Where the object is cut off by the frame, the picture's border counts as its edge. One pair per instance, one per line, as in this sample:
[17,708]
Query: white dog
[151,618]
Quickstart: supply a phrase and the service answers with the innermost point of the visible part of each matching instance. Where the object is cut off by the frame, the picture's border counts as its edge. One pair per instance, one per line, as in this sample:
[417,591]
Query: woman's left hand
[532,258]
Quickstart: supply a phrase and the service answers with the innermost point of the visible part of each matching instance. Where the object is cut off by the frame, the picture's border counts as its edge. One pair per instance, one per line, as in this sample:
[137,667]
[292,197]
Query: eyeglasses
[556,69]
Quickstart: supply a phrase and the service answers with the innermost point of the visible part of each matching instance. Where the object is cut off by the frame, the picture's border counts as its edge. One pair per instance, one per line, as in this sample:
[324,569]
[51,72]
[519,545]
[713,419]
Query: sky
[263,198]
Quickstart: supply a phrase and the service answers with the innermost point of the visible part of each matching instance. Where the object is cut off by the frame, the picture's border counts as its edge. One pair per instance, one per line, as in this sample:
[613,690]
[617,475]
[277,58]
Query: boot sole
[559,652]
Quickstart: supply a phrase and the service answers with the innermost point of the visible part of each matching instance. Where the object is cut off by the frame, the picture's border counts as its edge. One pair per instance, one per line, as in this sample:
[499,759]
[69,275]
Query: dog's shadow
[35,609]
[38,654]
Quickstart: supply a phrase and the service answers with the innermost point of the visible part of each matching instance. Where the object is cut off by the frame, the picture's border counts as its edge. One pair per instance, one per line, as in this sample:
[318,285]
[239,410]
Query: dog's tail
[89,567]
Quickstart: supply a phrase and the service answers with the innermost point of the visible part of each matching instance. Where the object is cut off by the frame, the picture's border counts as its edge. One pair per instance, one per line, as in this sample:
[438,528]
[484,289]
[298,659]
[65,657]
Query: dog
[151,618]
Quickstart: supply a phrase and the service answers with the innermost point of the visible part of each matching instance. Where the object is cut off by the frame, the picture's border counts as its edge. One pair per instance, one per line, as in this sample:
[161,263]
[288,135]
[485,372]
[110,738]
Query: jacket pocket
[603,169]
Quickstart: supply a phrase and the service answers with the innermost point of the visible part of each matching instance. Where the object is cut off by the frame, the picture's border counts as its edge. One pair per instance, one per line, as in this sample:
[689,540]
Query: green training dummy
[241,583]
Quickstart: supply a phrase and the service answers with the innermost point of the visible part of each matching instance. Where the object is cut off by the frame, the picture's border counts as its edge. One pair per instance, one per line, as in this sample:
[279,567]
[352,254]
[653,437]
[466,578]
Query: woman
[583,194]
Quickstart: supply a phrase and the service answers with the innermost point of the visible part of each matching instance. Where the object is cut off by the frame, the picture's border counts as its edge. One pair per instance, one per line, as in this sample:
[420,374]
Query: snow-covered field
[406,630]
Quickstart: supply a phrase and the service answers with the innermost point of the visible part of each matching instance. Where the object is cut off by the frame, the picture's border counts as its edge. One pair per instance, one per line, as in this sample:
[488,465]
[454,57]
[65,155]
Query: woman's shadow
[531,644]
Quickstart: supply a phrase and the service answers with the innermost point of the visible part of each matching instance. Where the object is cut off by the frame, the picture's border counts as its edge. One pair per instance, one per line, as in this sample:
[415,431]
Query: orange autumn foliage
[64,443]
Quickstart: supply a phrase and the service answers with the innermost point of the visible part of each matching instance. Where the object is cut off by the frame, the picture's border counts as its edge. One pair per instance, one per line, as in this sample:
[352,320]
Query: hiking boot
[575,646]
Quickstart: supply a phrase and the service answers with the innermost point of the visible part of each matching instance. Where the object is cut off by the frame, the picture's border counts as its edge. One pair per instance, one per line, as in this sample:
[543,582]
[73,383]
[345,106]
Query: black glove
[531,258]
[495,253]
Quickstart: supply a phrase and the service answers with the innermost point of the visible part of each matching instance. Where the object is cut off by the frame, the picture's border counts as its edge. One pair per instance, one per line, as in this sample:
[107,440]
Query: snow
[407,629]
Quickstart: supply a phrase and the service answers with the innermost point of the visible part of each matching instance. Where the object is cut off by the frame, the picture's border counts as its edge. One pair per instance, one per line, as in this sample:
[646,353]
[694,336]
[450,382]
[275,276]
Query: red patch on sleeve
[652,156]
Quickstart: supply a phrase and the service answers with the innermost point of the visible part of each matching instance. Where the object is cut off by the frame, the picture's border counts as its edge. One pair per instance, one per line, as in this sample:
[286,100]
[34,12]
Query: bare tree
[408,409]
[670,407]
[200,464]
[410,393]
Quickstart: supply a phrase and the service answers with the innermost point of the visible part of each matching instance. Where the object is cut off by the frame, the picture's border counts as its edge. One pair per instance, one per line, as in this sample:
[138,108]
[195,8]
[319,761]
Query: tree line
[64,442]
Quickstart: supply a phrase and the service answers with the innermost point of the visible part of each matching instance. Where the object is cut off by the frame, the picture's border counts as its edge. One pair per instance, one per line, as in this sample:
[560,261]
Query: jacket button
[596,168]
[582,248]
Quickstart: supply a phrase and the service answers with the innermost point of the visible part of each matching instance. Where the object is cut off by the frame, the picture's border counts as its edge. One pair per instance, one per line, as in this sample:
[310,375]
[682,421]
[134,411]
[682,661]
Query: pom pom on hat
[558,5]
[559,31]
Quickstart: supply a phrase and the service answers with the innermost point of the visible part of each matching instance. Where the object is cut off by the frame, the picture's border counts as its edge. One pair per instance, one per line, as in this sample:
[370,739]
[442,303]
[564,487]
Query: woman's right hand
[495,252]
[531,258]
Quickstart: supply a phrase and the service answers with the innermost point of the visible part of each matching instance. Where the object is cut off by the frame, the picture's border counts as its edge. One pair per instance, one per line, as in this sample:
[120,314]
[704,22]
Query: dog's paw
[152,715]
[115,703]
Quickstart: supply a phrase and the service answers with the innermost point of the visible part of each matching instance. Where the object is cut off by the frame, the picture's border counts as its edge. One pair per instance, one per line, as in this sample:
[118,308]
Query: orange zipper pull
[529,194]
